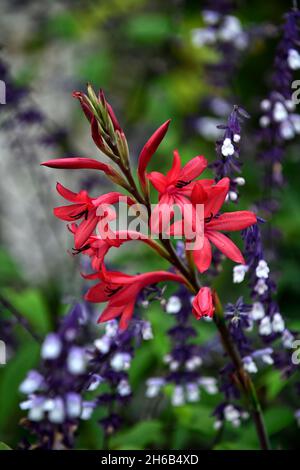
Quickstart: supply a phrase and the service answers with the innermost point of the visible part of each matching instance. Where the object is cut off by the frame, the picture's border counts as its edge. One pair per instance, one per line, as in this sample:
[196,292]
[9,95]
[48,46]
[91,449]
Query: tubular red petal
[97,293]
[203,257]
[149,149]
[77,163]
[158,180]
[173,174]
[231,221]
[66,193]
[193,168]
[226,246]
[85,229]
[216,197]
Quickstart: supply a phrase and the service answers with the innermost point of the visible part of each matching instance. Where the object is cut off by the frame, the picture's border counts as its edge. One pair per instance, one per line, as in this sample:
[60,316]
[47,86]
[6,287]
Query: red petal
[109,313]
[173,174]
[216,197]
[231,221]
[149,149]
[226,246]
[78,163]
[85,229]
[203,257]
[97,293]
[158,180]
[66,193]
[68,213]
[193,168]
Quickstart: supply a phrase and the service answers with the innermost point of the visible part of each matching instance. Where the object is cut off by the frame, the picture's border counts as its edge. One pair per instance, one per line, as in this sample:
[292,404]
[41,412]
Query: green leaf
[64,25]
[139,436]
[149,28]
[4,446]
[31,304]
[11,375]
[196,418]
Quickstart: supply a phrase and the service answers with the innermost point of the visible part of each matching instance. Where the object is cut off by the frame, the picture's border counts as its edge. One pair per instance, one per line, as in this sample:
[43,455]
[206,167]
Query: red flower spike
[149,149]
[203,305]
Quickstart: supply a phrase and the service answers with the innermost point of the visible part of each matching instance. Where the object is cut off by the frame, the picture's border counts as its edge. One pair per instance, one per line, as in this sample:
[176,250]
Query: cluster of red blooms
[179,186]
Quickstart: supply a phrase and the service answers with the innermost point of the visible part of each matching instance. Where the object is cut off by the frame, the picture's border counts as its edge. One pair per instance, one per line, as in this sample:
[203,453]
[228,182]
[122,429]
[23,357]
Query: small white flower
[267,359]
[278,323]
[258,311]
[120,361]
[87,410]
[76,361]
[193,363]
[96,381]
[173,305]
[293,59]
[102,344]
[51,347]
[217,425]
[249,365]
[265,327]
[210,16]
[297,416]
[240,181]
[236,138]
[209,384]
[231,413]
[230,29]
[32,382]
[178,396]
[203,36]
[174,365]
[111,328]
[227,147]
[57,413]
[287,130]
[239,272]
[287,339]
[192,392]
[154,386]
[279,112]
[264,121]
[261,287]
[147,332]
[124,388]
[232,196]
[295,118]
[262,269]
[265,105]
[73,402]
[290,105]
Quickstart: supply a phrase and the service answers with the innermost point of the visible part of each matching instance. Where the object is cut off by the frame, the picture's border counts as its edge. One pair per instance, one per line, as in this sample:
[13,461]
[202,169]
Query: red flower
[203,305]
[121,290]
[176,186]
[84,207]
[213,197]
[149,149]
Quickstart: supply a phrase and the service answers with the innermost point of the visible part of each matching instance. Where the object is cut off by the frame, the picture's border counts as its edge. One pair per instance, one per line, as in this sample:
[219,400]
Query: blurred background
[153,64]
